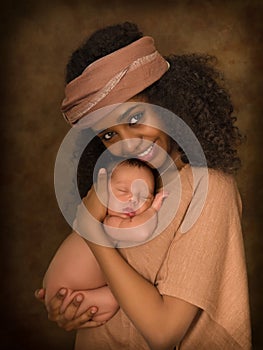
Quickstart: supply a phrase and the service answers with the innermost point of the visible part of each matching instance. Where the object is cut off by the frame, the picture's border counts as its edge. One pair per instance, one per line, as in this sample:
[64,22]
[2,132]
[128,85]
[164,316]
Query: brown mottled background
[37,39]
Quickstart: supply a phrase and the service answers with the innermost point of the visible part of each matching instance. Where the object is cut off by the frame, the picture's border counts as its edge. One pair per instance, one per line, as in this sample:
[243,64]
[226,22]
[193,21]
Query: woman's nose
[130,146]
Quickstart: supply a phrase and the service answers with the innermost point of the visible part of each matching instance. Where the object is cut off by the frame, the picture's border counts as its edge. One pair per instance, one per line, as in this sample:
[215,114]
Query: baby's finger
[158,200]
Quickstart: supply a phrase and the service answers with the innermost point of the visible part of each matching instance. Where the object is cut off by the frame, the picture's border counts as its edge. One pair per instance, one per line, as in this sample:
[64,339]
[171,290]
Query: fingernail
[62,292]
[93,311]
[102,171]
[37,293]
[79,298]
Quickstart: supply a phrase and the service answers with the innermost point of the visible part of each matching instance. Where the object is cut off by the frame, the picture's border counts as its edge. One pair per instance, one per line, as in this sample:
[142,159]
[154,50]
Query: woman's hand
[97,197]
[68,320]
[92,211]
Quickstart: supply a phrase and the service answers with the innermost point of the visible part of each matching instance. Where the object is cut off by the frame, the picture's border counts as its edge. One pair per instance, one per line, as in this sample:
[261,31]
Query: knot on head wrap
[112,79]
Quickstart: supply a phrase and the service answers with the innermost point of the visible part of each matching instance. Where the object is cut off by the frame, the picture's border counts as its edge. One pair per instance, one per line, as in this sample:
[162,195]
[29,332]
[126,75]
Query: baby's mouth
[129,211]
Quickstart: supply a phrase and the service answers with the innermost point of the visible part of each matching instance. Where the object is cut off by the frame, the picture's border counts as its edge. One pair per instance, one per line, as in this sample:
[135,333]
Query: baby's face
[131,190]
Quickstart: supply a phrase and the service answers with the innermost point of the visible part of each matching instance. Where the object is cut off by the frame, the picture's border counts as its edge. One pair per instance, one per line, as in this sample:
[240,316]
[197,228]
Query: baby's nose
[134,198]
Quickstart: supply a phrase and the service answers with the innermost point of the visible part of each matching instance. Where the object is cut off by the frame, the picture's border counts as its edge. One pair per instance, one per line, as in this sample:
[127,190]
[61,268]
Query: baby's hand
[158,200]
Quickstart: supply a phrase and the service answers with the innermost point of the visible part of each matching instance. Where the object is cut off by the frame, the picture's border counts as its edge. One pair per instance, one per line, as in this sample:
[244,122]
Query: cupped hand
[68,320]
[97,197]
[92,211]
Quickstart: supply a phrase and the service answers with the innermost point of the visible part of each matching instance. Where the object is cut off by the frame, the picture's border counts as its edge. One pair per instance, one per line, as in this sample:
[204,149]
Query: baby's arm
[140,219]
[136,229]
[75,268]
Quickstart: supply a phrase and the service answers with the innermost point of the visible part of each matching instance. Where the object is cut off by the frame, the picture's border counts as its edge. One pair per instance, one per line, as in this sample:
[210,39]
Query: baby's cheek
[140,187]
[115,205]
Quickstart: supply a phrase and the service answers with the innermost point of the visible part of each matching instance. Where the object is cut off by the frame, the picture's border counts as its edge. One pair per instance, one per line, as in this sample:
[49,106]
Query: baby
[132,202]
[131,218]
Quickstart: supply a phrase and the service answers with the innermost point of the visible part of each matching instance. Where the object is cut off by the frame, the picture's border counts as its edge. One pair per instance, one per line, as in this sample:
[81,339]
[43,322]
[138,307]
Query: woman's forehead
[115,115]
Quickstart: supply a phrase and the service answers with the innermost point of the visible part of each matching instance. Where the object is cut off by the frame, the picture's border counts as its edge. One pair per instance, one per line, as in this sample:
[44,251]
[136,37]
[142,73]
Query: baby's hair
[137,163]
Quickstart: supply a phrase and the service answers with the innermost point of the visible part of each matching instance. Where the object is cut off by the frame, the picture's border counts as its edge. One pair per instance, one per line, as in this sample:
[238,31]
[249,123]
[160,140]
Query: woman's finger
[102,186]
[53,307]
[92,324]
[72,308]
[40,295]
[82,321]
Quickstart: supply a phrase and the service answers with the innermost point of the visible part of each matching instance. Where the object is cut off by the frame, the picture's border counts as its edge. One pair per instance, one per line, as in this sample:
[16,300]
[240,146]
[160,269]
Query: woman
[187,287]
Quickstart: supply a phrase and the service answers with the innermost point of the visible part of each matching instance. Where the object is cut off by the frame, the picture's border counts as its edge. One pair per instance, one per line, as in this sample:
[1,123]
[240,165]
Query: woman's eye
[108,135]
[135,118]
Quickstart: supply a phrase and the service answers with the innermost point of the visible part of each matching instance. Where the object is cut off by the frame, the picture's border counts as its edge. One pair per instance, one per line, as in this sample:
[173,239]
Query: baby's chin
[117,213]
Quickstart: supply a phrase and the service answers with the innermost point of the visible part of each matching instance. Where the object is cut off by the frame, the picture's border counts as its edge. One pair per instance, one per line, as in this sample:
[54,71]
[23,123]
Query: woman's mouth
[147,154]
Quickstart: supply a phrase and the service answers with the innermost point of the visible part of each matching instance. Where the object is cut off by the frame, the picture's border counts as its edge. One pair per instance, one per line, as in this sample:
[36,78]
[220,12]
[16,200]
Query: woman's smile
[148,152]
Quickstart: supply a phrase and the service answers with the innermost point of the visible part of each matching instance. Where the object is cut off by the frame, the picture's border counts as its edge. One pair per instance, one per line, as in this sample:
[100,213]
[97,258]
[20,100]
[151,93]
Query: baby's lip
[129,211]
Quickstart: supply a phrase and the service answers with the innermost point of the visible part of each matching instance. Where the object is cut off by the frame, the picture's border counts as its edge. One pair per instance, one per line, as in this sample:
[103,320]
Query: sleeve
[205,266]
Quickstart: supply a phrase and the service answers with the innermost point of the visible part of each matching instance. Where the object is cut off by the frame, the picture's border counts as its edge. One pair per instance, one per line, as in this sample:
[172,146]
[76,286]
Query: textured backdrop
[37,39]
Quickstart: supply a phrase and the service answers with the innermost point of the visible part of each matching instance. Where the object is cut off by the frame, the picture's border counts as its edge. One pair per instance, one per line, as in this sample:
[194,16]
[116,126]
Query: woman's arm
[162,320]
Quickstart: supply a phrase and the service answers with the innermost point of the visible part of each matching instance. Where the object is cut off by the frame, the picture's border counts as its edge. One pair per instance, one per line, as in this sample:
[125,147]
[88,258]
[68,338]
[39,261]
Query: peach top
[204,266]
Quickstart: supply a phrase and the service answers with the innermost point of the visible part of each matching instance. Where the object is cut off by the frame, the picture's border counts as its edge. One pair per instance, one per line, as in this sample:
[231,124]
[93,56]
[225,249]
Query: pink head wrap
[112,79]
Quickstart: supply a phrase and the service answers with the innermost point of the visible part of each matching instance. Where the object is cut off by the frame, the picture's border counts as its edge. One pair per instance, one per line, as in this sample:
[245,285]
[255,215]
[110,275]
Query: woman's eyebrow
[125,114]
[120,119]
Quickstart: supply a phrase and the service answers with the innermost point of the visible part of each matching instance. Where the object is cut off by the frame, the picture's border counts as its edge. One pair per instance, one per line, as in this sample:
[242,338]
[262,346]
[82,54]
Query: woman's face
[134,129]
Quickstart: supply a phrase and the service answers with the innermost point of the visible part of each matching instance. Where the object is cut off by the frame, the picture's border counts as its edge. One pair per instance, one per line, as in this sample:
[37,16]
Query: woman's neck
[170,168]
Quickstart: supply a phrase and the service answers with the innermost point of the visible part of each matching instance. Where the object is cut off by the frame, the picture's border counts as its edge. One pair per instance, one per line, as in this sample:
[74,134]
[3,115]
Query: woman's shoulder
[214,197]
[222,184]
[213,186]
[216,179]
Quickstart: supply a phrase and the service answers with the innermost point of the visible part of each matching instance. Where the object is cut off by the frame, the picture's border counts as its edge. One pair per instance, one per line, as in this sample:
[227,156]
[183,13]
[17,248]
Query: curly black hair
[192,89]
[99,44]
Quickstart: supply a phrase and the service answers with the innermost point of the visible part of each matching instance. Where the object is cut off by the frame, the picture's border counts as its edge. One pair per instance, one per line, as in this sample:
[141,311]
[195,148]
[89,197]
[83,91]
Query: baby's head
[131,188]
